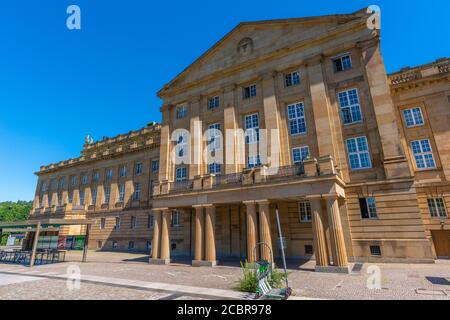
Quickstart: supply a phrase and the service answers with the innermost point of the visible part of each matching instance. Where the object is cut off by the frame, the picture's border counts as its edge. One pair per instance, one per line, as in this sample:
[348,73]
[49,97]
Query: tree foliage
[14,211]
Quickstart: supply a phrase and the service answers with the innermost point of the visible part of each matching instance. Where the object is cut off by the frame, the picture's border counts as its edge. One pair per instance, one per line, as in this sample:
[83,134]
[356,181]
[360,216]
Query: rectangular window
[309,249]
[249,92]
[368,208]
[375,251]
[296,115]
[73,181]
[60,199]
[139,169]
[214,168]
[122,192]
[107,191]
[423,154]
[300,154]
[115,245]
[213,102]
[123,171]
[181,144]
[150,221]
[44,186]
[70,197]
[181,174]
[84,179]
[99,244]
[149,245]
[413,117]
[118,222]
[62,183]
[358,153]
[155,165]
[342,63]
[131,245]
[437,208]
[102,223]
[54,184]
[81,197]
[253,161]
[181,112]
[41,201]
[96,176]
[305,211]
[94,197]
[137,192]
[214,135]
[50,200]
[109,174]
[176,218]
[291,79]
[350,106]
[133,222]
[252,128]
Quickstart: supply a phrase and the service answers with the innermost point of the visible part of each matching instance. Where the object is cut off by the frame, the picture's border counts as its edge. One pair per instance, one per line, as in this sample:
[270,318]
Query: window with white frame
[181,112]
[368,208]
[252,128]
[358,153]
[213,102]
[214,168]
[107,190]
[291,79]
[296,116]
[342,63]
[155,165]
[214,136]
[123,171]
[122,192]
[305,211]
[423,154]
[137,192]
[109,174]
[350,106]
[176,218]
[437,208]
[150,221]
[94,197]
[413,117]
[181,174]
[253,161]
[82,197]
[133,222]
[249,92]
[300,154]
[96,176]
[139,169]
[181,144]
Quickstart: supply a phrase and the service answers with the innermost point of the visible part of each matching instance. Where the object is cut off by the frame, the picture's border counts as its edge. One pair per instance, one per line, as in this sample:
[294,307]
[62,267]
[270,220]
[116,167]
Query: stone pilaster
[339,252]
[164,149]
[264,231]
[199,227]
[196,138]
[252,232]
[320,248]
[210,235]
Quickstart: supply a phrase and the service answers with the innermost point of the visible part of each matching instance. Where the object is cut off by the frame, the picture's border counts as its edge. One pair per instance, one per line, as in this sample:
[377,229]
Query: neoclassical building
[362,158]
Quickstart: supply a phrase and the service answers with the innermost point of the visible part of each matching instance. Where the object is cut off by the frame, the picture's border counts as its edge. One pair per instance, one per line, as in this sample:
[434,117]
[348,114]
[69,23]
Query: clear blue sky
[58,85]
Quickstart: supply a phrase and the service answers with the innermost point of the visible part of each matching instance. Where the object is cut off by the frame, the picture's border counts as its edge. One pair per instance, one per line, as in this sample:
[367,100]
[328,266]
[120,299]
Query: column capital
[261,202]
[249,202]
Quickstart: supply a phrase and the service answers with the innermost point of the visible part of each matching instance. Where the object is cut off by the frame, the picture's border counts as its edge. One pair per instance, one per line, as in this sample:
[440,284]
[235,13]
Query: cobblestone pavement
[128,276]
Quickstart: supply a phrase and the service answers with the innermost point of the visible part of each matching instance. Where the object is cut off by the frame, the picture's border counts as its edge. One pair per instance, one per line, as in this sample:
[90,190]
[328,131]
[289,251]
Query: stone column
[210,236]
[338,249]
[196,138]
[252,232]
[199,225]
[164,150]
[394,159]
[165,237]
[320,248]
[156,235]
[264,231]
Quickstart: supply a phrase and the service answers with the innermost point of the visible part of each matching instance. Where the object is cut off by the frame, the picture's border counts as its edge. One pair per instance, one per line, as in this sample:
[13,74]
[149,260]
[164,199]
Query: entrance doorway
[441,240]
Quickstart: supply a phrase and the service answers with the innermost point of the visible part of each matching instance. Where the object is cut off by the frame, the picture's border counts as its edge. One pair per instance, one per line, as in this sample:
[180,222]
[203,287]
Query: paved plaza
[120,276]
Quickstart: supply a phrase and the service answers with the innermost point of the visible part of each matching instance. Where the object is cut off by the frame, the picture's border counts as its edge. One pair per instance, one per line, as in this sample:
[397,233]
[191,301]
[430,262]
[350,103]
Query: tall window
[249,92]
[94,197]
[44,186]
[96,176]
[133,222]
[137,192]
[423,154]
[50,200]
[342,63]
[107,194]
[252,128]
[368,208]
[109,174]
[150,221]
[73,181]
[84,179]
[70,197]
[213,102]
[350,107]
[118,222]
[122,192]
[413,117]
[139,169]
[437,208]
[300,154]
[214,136]
[81,197]
[305,211]
[176,218]
[155,165]
[62,183]
[102,223]
[60,199]
[181,144]
[123,171]
[181,174]
[296,115]
[181,112]
[254,161]
[291,79]
[358,153]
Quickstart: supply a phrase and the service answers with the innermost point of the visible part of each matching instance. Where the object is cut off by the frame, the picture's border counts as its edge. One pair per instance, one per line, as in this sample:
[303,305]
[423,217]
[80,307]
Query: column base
[201,263]
[333,269]
[159,261]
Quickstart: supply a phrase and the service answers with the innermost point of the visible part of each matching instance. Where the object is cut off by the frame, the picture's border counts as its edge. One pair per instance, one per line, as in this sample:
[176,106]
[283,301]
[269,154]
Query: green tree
[14,211]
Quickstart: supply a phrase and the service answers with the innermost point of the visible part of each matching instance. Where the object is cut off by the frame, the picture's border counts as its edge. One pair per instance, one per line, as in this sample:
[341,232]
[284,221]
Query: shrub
[249,280]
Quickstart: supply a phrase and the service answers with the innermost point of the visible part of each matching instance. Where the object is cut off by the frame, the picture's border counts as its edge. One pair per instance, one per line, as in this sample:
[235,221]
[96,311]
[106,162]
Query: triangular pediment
[252,40]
